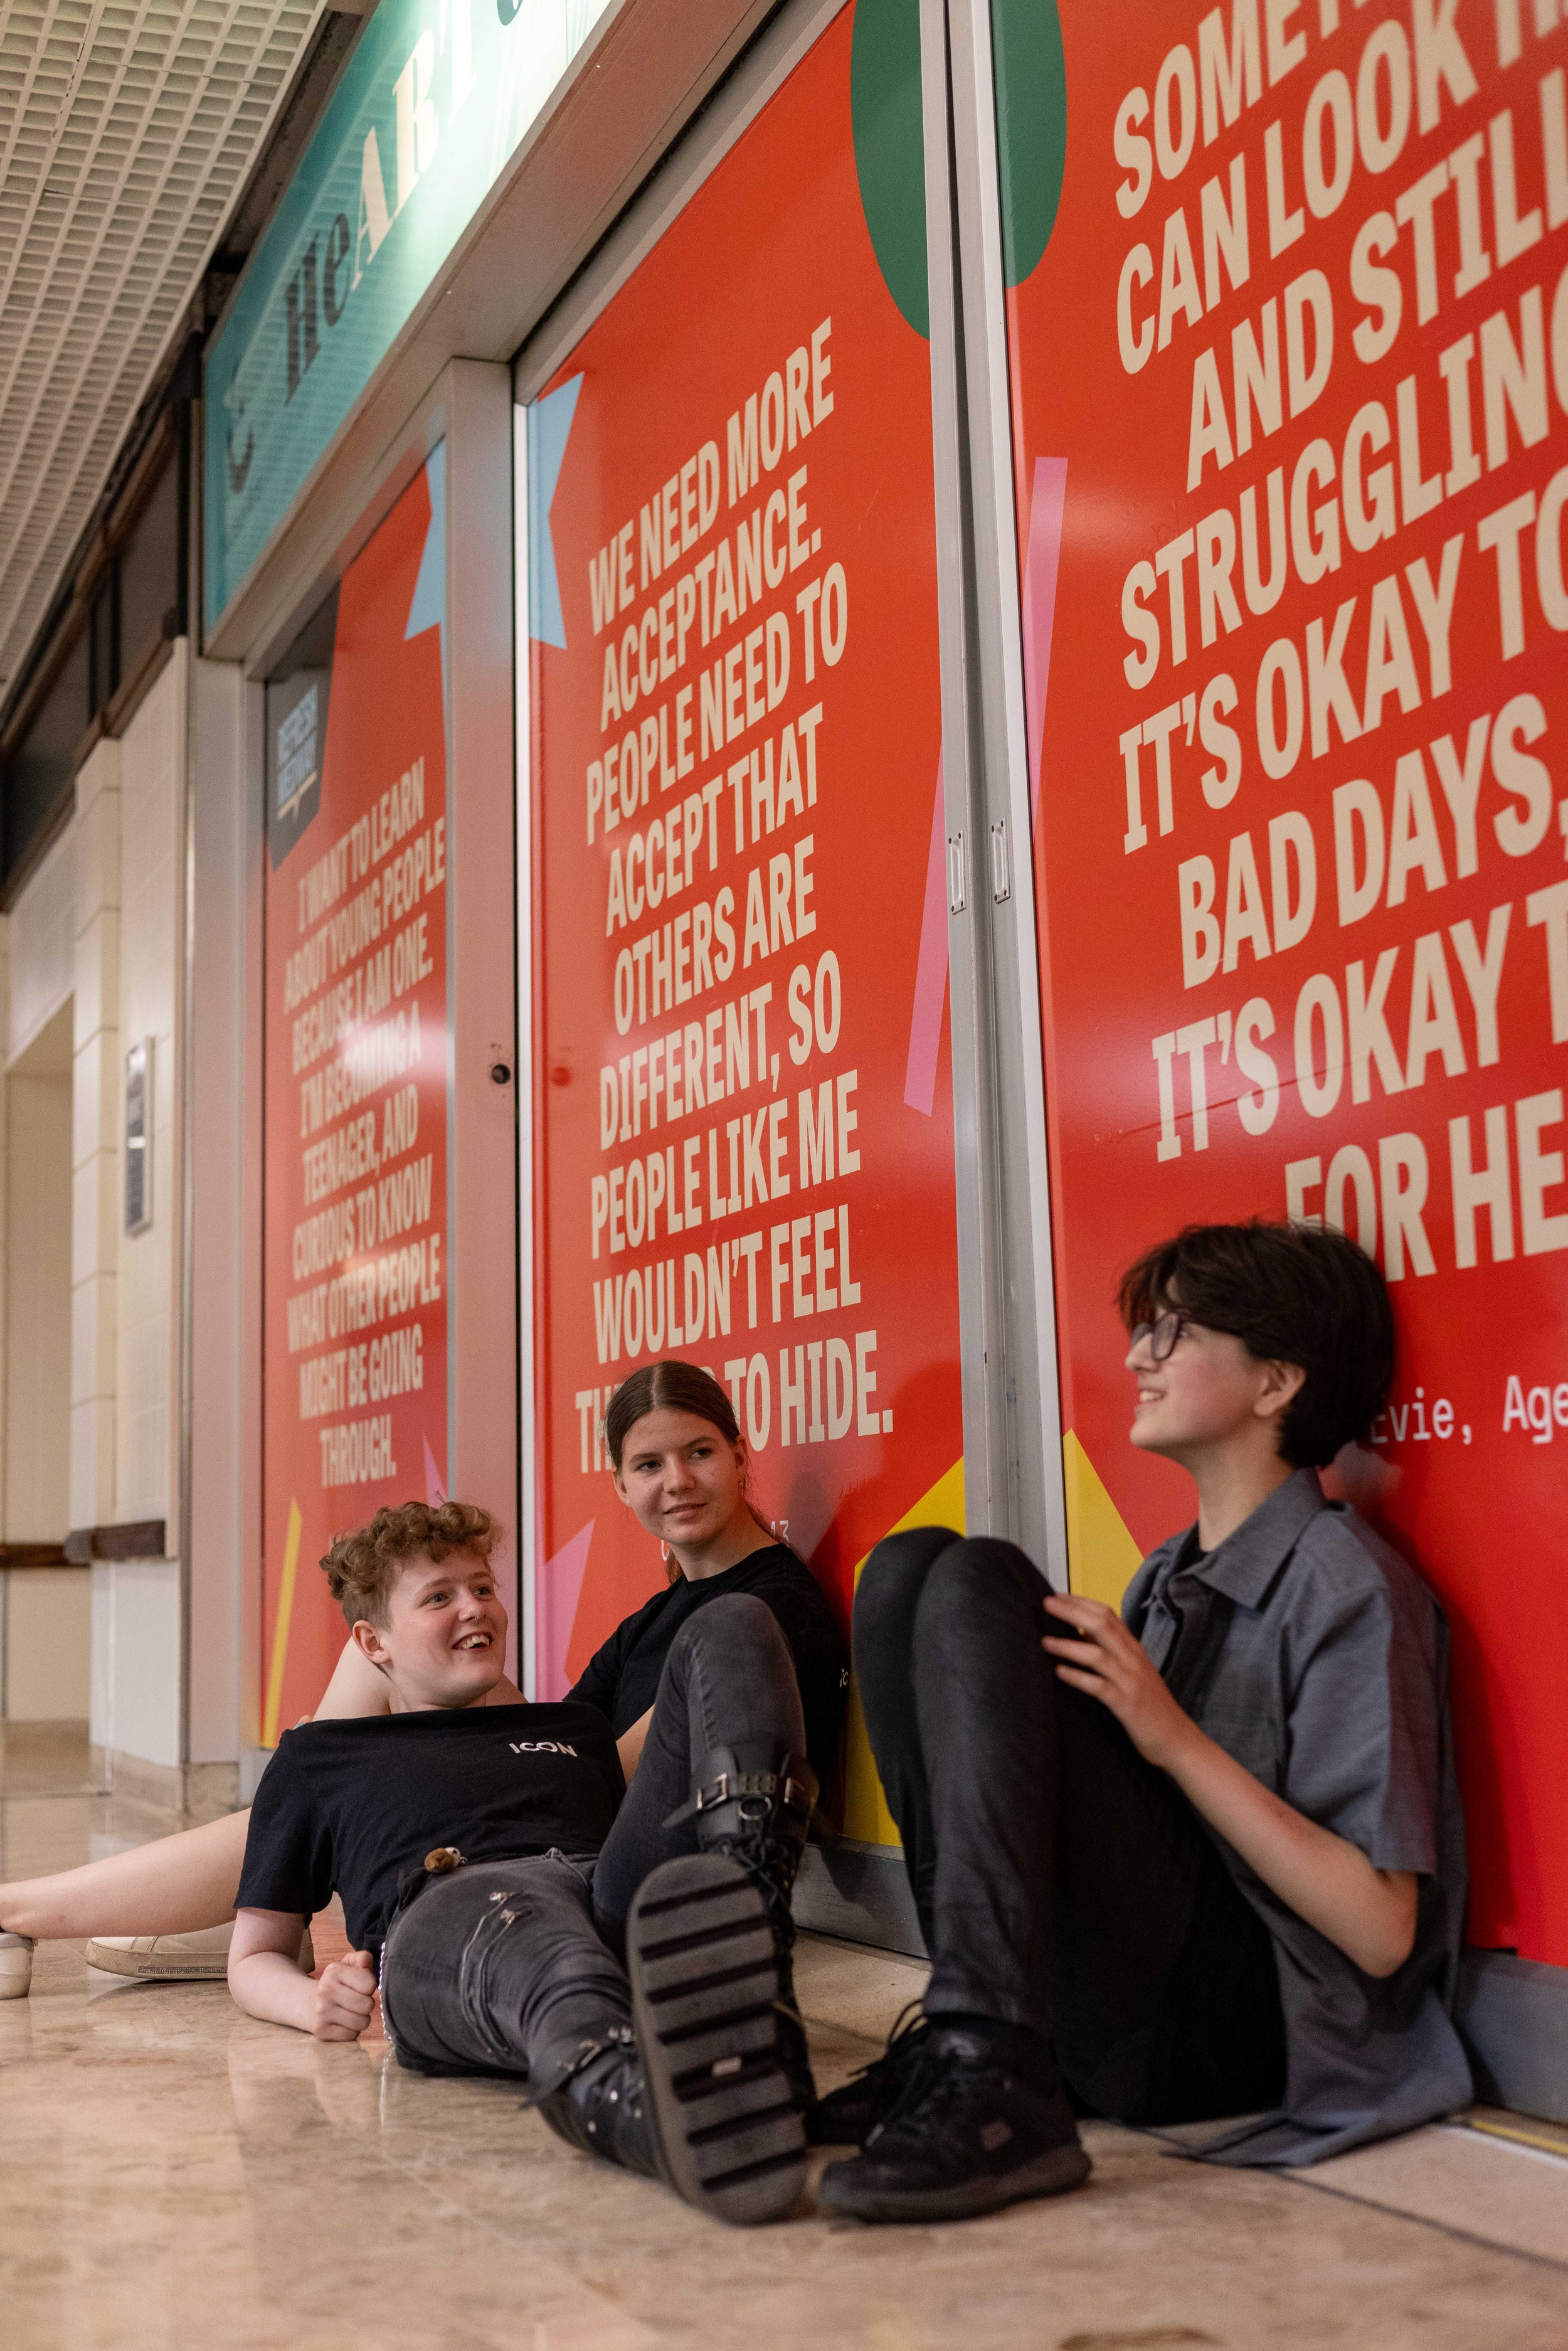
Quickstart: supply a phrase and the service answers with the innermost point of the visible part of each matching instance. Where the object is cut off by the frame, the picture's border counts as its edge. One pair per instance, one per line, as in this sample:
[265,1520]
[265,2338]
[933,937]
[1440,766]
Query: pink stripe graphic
[930,971]
[560,1587]
[434,1488]
[1043,560]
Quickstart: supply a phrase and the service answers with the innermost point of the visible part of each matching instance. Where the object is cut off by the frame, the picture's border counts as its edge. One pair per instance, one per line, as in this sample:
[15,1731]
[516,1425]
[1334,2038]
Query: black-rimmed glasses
[1161,1337]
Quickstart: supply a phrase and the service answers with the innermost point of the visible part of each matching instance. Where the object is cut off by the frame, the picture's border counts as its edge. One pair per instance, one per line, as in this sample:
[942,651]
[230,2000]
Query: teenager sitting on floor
[1212,1863]
[161,1910]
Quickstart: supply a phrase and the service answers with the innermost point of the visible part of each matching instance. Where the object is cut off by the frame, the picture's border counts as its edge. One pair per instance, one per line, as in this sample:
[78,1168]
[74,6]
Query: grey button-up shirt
[1330,1685]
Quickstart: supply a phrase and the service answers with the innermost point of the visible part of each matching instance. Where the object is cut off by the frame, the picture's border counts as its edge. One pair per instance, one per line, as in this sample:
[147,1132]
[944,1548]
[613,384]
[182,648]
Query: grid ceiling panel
[127,130]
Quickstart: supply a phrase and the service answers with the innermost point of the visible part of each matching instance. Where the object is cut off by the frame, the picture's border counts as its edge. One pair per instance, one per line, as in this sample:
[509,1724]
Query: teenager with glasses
[1202,1860]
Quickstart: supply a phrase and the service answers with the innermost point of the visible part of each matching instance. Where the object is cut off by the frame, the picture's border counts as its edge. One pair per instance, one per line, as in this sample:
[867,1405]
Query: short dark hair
[668,1386]
[1292,1294]
[362,1567]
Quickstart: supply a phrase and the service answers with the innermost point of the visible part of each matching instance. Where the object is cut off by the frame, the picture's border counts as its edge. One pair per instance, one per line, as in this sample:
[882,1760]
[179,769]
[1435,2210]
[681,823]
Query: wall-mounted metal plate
[138,1136]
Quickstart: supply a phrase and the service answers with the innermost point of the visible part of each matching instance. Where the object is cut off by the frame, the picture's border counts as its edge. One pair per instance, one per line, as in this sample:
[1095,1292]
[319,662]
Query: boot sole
[1064,2168]
[704,1967]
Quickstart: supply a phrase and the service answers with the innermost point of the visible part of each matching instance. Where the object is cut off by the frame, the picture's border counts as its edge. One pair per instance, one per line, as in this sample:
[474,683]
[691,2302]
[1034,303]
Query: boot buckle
[732,1784]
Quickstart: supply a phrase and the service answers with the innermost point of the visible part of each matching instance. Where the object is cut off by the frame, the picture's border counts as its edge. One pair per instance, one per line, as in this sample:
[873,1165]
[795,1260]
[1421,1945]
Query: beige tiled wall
[45,1617]
[150,773]
[42,946]
[91,964]
[44,1613]
[38,1287]
[95,1139]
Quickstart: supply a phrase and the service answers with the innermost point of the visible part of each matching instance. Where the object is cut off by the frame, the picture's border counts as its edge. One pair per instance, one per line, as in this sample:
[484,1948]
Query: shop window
[38,772]
[103,642]
[150,572]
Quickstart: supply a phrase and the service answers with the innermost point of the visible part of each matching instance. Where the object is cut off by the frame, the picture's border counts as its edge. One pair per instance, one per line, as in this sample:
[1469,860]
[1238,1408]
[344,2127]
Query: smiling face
[684,1481]
[1209,1392]
[444,1640]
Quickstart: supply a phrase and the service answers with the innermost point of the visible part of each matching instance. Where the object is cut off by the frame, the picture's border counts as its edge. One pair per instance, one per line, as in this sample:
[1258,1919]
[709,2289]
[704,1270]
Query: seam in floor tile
[1422,2221]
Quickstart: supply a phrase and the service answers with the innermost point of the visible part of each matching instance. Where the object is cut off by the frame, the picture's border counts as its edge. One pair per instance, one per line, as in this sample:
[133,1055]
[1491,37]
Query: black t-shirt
[350,1807]
[623,1677]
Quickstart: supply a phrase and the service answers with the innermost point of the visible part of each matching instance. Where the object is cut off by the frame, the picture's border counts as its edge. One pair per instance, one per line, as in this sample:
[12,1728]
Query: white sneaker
[199,1957]
[15,1965]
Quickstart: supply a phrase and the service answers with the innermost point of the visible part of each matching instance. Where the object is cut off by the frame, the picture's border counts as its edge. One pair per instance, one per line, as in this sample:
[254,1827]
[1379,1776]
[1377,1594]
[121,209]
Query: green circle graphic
[1031,128]
[890,148]
[889,138]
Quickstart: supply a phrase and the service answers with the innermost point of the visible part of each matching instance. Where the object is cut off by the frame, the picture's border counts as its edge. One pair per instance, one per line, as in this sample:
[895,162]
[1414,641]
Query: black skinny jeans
[504,1967]
[1063,1885]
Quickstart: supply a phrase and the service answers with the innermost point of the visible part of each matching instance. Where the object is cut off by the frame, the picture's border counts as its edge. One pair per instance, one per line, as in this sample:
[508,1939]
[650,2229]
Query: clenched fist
[345,1995]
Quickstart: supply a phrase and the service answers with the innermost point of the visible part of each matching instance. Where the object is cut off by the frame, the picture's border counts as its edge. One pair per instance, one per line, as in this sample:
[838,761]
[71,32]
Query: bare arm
[265,1979]
[631,1743]
[357,1687]
[1368,1913]
[178,1884]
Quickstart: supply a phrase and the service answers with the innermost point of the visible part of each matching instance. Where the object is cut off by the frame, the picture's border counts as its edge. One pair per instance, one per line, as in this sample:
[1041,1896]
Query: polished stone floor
[176,2177]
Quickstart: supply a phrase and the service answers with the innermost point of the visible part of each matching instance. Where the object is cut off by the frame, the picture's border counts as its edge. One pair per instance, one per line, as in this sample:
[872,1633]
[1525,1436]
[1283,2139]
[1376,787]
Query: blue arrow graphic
[549,424]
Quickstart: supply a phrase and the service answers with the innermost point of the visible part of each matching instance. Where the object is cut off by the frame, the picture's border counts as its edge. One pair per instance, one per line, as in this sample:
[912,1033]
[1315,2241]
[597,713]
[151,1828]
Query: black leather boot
[704,1958]
[590,2094]
[755,1803]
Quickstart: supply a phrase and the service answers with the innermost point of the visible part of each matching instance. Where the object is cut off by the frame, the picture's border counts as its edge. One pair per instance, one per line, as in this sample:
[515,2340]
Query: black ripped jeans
[1062,1884]
[498,1965]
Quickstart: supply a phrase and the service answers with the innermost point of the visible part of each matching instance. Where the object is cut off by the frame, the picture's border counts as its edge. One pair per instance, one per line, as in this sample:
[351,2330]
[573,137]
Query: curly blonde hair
[362,1567]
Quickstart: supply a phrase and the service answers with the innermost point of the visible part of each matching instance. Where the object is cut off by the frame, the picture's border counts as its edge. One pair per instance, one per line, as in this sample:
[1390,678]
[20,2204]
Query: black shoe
[966,2137]
[756,1805]
[597,2102]
[705,1965]
[848,2116]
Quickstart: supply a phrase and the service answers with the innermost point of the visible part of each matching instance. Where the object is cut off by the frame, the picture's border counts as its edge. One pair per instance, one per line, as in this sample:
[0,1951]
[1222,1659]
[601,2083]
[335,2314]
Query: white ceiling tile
[126,128]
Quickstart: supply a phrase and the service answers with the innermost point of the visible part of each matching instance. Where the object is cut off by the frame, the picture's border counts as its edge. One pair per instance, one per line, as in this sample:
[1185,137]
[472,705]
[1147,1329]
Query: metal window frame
[465,407]
[692,158]
[1011,1406]
[1012,1412]
[324,539]
[523,964]
[1510,2011]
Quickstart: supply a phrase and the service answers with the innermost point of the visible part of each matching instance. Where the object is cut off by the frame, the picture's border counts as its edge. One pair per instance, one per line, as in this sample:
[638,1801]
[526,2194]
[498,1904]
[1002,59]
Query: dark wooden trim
[33,1554]
[133,690]
[39,848]
[146,1538]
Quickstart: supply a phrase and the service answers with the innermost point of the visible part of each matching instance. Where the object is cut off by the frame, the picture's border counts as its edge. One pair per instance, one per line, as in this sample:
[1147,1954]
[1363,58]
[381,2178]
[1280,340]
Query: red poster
[745,1136]
[1294,588]
[356,1079]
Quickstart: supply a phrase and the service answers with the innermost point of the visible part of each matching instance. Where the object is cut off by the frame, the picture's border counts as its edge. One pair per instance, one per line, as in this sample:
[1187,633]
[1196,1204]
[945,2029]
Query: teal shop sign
[434,99]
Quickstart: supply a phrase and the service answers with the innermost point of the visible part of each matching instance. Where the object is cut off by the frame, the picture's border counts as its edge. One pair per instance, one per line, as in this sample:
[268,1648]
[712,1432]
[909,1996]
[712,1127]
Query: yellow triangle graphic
[866,1815]
[280,1628]
[1103,1556]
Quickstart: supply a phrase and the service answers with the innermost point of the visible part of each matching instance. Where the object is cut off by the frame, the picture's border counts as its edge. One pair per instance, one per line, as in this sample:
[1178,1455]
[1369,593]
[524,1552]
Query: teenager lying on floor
[625,1954]
[161,1911]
